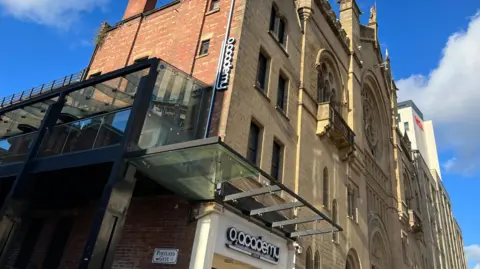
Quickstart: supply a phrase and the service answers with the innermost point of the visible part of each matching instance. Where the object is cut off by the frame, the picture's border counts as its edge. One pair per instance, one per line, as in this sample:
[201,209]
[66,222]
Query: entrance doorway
[222,262]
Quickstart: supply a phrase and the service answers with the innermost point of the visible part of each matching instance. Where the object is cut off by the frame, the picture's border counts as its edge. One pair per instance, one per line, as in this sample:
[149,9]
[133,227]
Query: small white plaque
[165,256]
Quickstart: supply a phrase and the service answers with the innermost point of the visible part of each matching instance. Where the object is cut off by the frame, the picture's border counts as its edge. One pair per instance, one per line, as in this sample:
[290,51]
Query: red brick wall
[154,222]
[172,34]
[157,222]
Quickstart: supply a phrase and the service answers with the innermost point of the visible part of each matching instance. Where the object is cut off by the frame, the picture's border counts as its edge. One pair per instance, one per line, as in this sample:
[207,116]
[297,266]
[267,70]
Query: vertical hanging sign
[226,65]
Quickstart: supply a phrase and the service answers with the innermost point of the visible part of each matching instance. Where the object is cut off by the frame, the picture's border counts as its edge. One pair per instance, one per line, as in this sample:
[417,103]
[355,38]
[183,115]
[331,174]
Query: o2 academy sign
[226,65]
[253,246]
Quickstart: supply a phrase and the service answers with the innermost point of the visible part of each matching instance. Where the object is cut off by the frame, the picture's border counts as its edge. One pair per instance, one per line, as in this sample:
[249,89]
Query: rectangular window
[273,18]
[277,154]
[282,92]
[140,60]
[262,70]
[406,126]
[281,32]
[214,5]
[204,47]
[95,75]
[253,143]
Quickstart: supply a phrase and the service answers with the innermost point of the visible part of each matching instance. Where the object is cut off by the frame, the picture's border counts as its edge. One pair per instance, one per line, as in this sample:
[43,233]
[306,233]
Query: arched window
[326,190]
[317,260]
[335,219]
[309,261]
[328,87]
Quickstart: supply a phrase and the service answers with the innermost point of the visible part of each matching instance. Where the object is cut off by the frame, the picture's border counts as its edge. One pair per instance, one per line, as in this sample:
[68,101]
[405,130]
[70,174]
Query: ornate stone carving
[370,122]
[373,15]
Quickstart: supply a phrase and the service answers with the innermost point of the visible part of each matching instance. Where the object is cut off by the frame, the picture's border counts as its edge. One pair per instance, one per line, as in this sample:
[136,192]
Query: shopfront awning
[209,170]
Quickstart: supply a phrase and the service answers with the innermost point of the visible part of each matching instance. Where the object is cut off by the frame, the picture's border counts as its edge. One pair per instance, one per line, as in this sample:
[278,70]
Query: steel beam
[274,208]
[17,201]
[108,221]
[313,232]
[295,221]
[251,193]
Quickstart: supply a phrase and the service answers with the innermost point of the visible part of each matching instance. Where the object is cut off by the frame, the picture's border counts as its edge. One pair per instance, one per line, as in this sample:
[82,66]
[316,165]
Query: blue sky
[434,46]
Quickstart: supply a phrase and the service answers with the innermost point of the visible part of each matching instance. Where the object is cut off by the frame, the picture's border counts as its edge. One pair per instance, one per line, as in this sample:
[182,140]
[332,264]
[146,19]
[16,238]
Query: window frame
[406,126]
[202,43]
[212,5]
[263,85]
[282,104]
[256,150]
[277,163]
[325,188]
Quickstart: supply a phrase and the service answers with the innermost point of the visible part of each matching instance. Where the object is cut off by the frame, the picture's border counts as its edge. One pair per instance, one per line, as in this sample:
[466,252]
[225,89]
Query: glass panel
[178,111]
[15,149]
[105,97]
[24,120]
[95,132]
[194,172]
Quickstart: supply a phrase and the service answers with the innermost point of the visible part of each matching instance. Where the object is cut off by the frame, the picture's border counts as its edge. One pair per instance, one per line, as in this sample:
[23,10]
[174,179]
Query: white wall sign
[165,256]
[253,246]
[227,64]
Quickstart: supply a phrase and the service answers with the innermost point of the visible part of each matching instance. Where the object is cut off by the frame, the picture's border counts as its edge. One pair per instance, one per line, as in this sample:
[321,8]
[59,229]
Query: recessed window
[282,92]
[281,31]
[406,126]
[325,186]
[214,5]
[140,60]
[351,203]
[95,74]
[277,26]
[262,71]
[253,143]
[273,19]
[277,154]
[204,47]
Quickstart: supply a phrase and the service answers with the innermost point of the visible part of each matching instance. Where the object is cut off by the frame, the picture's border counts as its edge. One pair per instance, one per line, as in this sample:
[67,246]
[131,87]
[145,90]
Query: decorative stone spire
[387,57]
[373,14]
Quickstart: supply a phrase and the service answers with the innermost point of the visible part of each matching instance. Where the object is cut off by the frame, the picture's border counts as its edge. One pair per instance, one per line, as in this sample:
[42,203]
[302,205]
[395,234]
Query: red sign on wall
[419,122]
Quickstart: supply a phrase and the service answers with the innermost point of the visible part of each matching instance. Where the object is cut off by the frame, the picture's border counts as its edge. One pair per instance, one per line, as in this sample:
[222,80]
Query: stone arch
[379,244]
[309,259]
[352,262]
[375,115]
[328,71]
[316,260]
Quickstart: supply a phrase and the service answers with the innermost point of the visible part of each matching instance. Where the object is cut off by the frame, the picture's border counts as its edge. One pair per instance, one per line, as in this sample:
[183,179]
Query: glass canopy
[207,170]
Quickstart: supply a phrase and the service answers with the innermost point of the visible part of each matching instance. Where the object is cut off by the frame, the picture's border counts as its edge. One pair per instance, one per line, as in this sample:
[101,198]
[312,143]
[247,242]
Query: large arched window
[326,188]
[309,259]
[317,260]
[335,219]
[328,86]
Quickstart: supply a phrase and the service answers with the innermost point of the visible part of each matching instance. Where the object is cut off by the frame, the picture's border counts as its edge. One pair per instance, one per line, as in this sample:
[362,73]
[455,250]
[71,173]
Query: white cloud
[56,13]
[473,255]
[449,164]
[450,96]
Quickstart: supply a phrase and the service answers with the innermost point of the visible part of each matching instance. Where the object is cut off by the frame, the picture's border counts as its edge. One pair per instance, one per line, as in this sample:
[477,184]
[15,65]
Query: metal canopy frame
[233,200]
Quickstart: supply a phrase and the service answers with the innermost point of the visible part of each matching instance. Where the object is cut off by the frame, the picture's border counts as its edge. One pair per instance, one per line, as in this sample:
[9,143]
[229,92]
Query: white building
[420,132]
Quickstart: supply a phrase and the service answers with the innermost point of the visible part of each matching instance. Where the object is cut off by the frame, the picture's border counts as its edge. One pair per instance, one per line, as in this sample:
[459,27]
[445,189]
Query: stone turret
[350,19]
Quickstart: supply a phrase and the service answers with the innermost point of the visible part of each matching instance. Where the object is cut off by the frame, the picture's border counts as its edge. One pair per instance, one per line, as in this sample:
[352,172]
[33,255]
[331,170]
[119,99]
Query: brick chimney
[136,7]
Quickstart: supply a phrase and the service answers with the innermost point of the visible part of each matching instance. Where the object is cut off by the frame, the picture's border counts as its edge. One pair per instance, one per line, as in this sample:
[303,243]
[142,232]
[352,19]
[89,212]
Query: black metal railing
[44,88]
[336,120]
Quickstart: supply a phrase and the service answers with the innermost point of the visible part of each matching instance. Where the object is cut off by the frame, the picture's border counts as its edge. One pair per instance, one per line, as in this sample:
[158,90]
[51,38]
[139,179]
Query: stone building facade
[326,67]
[309,98]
